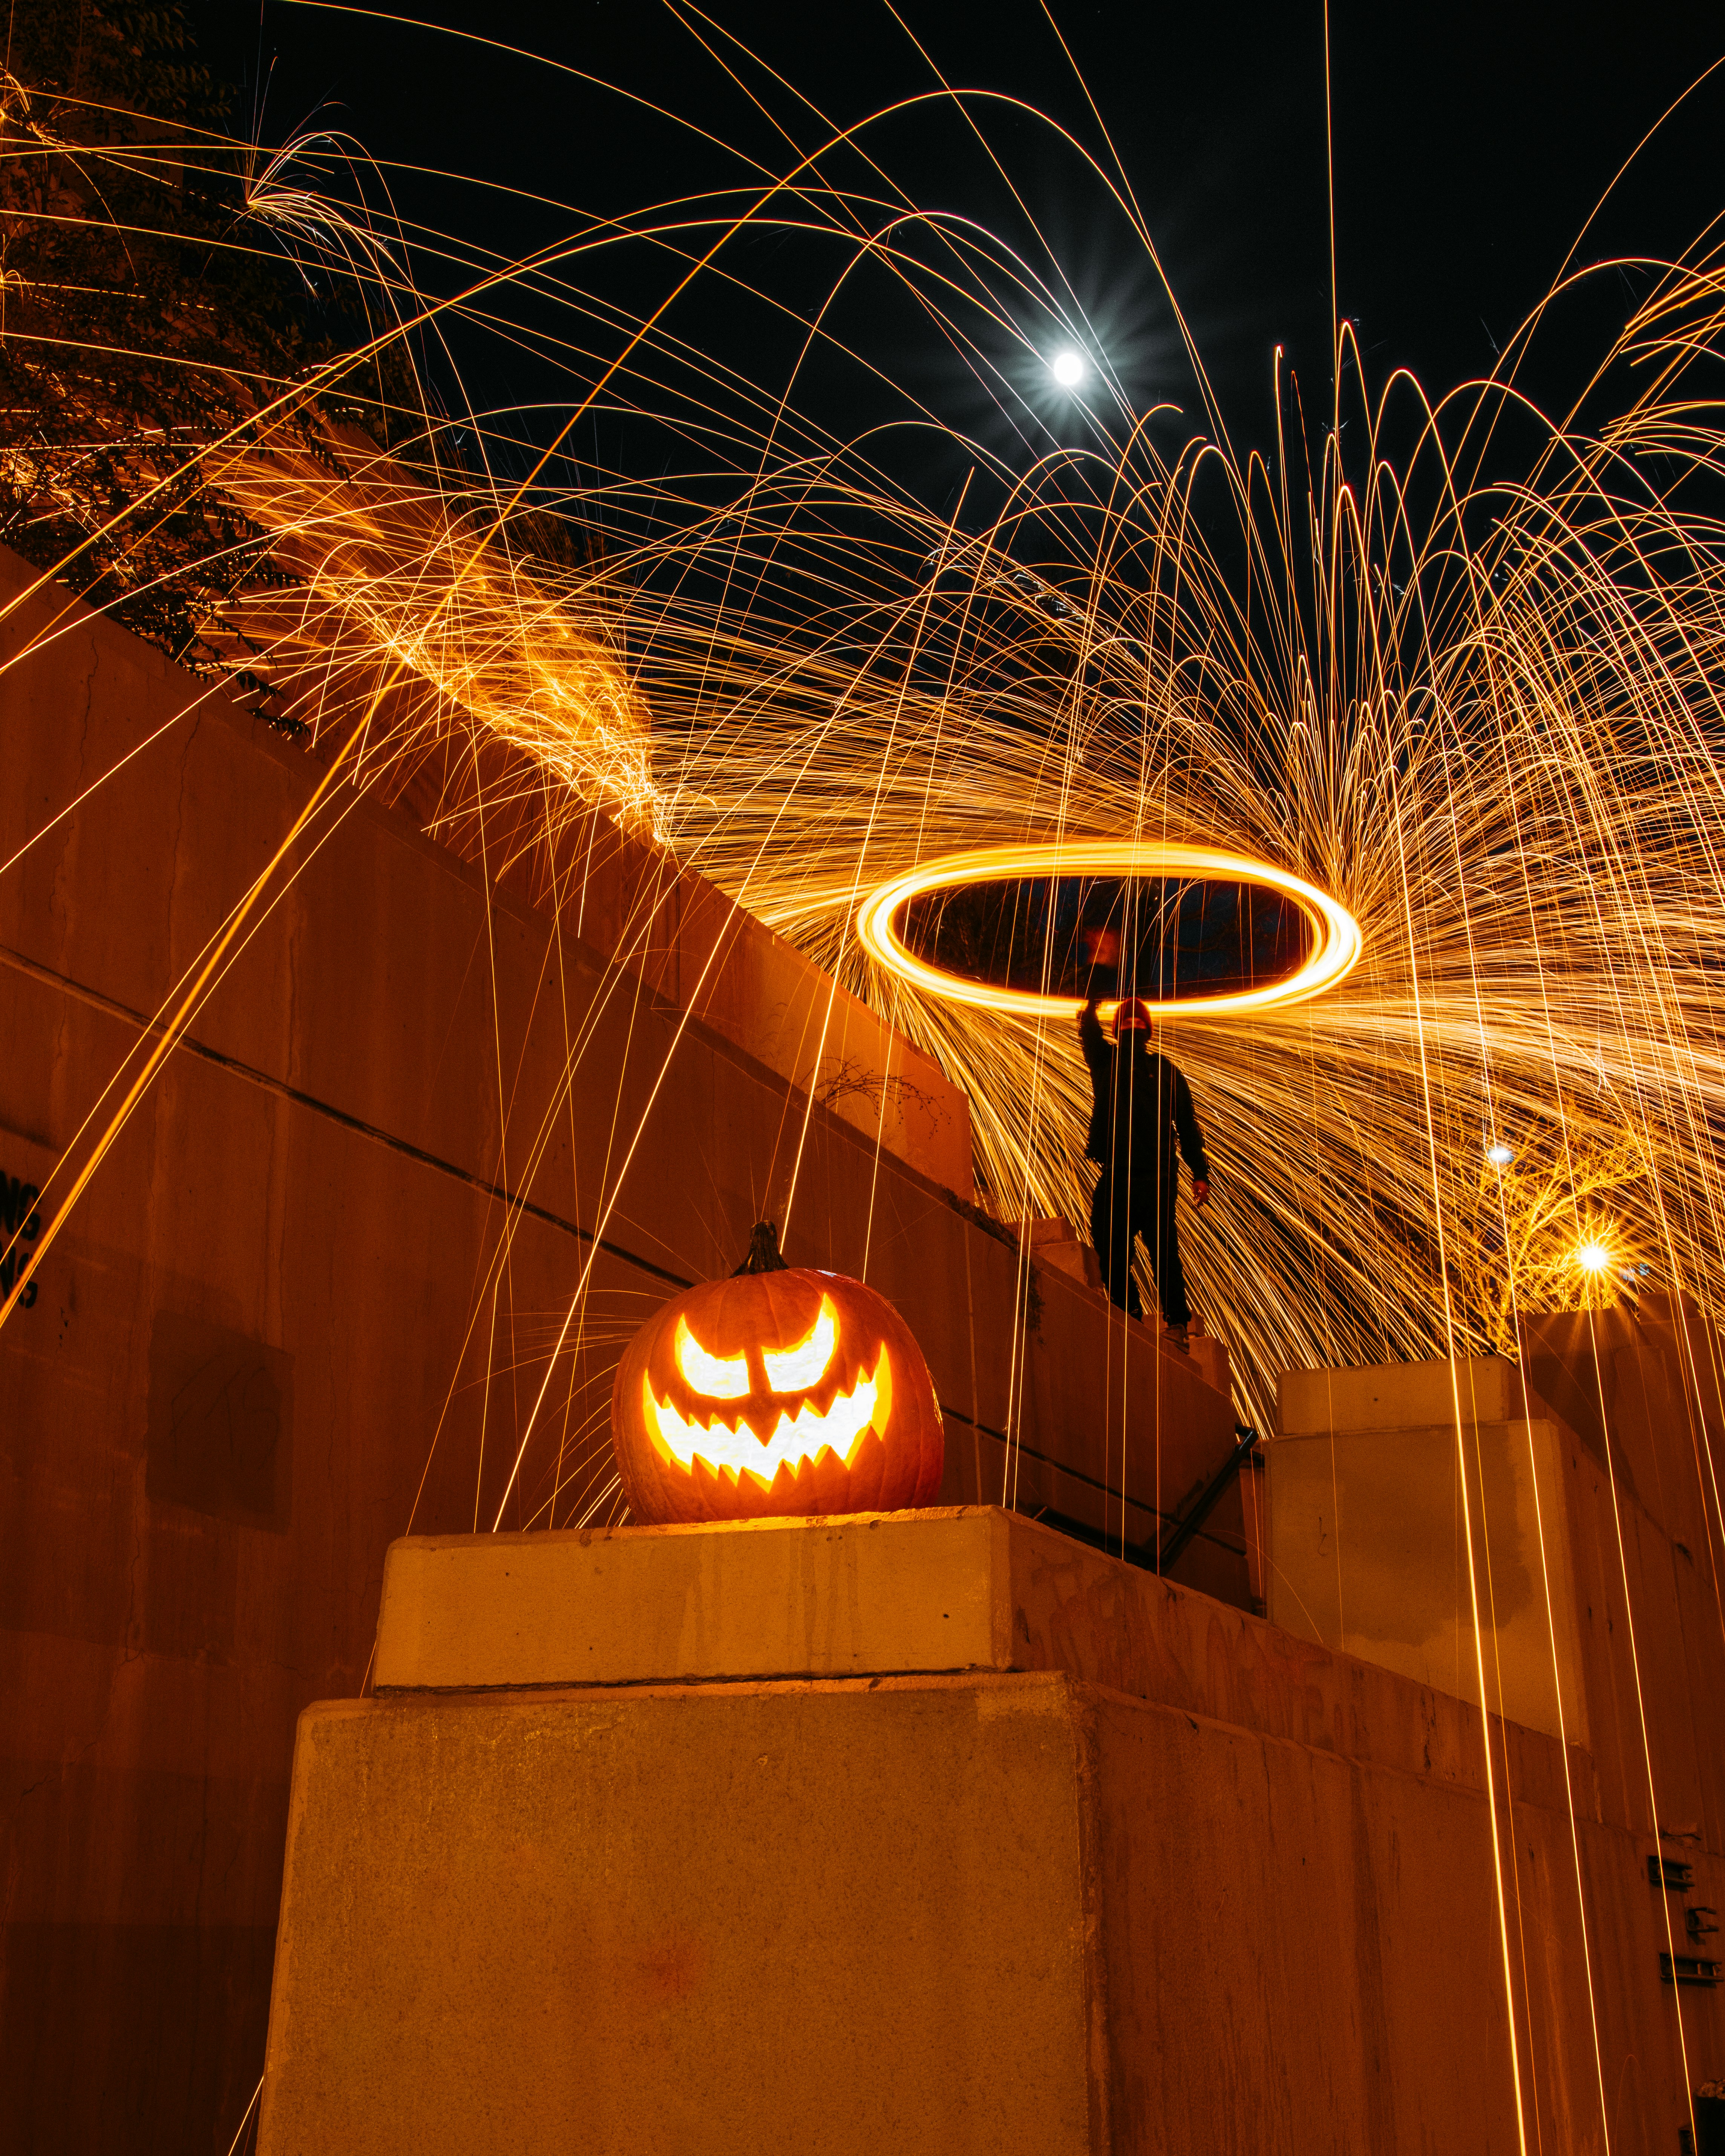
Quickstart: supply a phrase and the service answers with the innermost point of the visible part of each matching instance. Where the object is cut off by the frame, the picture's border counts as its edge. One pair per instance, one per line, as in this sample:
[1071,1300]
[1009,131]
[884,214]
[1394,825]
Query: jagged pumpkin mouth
[796,1439]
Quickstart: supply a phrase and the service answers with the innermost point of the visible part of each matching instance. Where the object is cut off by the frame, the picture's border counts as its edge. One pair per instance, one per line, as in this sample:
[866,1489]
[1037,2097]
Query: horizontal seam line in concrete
[114,1009]
[712,1678]
[232,1064]
[1341,1756]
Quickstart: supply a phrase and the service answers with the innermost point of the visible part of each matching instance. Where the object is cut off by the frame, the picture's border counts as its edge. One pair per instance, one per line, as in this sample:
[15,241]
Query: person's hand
[1200,1193]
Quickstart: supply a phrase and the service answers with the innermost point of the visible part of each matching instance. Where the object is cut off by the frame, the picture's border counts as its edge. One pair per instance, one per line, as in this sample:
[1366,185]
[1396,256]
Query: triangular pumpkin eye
[718,1377]
[795,1369]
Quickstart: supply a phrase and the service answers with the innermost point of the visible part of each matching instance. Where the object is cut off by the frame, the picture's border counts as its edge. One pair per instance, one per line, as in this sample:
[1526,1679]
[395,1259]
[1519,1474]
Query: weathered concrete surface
[1399,1396]
[821,1917]
[1589,1604]
[1640,1386]
[308,1298]
[1589,1599]
[974,1588]
[1368,1553]
[492,805]
[1241,1893]
[874,1593]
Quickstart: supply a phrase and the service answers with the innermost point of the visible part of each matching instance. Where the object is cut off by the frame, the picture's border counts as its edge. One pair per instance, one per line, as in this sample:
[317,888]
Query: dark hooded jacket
[1142,1108]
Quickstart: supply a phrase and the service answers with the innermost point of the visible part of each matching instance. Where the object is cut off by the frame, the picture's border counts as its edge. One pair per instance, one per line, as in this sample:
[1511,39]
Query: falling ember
[382,573]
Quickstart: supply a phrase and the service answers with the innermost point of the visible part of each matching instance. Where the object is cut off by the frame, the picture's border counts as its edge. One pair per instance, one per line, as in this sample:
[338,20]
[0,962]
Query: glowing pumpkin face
[782,1391]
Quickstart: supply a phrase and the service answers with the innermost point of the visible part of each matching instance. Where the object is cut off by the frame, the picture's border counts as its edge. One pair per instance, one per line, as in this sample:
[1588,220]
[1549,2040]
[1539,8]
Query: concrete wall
[315,1285]
[1602,1618]
[633,904]
[1585,1591]
[1366,1550]
[1093,1863]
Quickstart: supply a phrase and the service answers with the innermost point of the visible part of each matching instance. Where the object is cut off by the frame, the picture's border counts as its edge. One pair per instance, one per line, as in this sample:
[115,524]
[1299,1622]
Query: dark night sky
[1471,143]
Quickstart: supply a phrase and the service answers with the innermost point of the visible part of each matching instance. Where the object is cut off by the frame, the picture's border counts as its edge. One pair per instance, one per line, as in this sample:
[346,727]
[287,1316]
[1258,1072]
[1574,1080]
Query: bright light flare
[1593,1258]
[1336,949]
[1499,1154]
[1068,369]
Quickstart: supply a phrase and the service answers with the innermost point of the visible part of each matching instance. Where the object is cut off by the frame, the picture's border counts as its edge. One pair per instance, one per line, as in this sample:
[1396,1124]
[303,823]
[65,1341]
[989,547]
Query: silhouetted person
[1141,1114]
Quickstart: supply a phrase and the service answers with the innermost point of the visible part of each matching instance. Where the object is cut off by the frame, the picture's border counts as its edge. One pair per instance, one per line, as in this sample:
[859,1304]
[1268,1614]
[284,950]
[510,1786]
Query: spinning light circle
[1336,944]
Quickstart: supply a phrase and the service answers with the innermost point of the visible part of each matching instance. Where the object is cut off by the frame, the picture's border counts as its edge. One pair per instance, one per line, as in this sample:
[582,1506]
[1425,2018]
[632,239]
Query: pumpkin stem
[763,1252]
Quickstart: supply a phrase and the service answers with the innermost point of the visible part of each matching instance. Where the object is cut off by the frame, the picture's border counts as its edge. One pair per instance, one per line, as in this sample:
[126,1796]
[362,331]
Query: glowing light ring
[1337,941]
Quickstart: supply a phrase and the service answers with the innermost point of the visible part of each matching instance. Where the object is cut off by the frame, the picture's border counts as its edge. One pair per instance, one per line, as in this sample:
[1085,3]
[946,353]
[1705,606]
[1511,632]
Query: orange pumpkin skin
[872,1398]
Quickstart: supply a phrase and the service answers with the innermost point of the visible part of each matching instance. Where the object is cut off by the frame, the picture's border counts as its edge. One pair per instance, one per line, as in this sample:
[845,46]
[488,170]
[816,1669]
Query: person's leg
[1162,1238]
[1110,1233]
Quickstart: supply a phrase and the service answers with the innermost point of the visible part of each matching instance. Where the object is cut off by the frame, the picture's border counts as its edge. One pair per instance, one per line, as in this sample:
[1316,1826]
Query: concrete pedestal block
[860,1914]
[831,1917]
[955,1588]
[925,1835]
[1368,1553]
[1599,1620]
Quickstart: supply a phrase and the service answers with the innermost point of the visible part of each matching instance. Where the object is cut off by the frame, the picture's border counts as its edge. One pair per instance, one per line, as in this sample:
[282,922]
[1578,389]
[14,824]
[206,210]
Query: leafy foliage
[143,316]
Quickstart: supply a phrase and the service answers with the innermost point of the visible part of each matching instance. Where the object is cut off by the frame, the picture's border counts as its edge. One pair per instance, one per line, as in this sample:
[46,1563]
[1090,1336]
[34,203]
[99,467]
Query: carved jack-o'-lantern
[780,1390]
